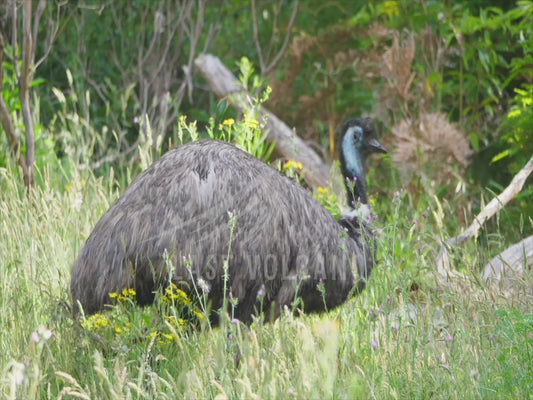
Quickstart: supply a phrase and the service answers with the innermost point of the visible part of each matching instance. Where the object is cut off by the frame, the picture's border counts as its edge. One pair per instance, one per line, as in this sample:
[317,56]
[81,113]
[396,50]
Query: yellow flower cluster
[127,294]
[322,191]
[119,330]
[250,122]
[228,122]
[95,322]
[328,200]
[175,322]
[199,315]
[391,8]
[174,295]
[162,338]
[293,165]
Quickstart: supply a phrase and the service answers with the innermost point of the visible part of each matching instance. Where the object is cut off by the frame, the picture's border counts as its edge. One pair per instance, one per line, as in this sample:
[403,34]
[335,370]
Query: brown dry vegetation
[426,145]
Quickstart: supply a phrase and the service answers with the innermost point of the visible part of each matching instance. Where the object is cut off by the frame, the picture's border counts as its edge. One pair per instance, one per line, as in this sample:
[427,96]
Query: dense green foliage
[109,99]
[116,63]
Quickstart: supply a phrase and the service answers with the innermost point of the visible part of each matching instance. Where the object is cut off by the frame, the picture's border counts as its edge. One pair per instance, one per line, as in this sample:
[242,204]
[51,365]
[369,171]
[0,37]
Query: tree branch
[257,42]
[283,49]
[36,21]
[262,64]
[495,205]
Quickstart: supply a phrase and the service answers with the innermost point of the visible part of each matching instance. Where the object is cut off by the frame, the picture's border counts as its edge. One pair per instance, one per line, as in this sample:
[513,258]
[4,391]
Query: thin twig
[257,42]
[264,68]
[283,49]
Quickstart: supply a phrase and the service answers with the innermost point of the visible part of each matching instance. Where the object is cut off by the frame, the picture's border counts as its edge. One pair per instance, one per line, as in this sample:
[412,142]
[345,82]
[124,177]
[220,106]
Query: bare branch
[277,10]
[264,68]
[257,42]
[36,21]
[283,49]
[495,205]
[194,45]
[51,33]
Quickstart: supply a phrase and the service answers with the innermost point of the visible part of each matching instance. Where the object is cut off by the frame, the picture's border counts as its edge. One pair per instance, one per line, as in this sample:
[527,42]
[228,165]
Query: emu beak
[375,147]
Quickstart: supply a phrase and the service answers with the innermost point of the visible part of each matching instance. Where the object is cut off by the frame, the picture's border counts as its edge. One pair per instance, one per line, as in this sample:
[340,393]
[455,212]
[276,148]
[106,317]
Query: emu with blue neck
[171,226]
[356,143]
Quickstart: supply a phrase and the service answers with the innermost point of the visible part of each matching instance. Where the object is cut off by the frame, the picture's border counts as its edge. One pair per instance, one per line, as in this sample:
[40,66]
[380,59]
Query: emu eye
[357,133]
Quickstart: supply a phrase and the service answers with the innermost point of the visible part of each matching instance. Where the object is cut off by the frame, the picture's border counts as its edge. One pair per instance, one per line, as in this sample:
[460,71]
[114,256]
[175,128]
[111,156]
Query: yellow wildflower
[293,165]
[322,191]
[152,334]
[167,336]
[391,8]
[95,322]
[119,330]
[228,122]
[198,314]
[126,294]
[176,322]
[251,122]
[175,295]
[129,293]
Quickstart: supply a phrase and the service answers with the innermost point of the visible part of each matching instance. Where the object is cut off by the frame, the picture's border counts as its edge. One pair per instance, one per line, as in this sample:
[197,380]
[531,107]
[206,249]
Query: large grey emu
[282,243]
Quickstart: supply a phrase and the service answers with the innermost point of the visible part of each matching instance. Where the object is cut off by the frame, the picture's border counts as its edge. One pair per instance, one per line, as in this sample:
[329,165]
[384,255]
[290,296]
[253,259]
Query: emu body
[173,224]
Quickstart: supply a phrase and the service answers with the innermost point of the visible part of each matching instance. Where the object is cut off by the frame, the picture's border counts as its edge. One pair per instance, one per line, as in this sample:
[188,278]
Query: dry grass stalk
[397,61]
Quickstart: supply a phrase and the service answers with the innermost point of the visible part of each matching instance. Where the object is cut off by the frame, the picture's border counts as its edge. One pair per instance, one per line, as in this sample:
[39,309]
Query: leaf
[500,156]
[474,140]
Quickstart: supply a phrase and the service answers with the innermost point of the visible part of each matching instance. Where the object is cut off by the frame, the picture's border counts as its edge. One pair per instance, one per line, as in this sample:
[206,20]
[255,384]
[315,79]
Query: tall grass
[403,337]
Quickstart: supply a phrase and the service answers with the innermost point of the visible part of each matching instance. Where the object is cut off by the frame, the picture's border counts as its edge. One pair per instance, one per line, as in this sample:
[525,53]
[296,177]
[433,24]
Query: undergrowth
[403,337]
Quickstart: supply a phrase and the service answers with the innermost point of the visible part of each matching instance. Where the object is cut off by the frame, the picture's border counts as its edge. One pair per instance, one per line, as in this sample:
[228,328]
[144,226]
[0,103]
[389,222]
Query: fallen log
[507,269]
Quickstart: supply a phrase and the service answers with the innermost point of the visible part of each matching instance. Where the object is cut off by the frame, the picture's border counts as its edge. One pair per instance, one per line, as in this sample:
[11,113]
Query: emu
[282,242]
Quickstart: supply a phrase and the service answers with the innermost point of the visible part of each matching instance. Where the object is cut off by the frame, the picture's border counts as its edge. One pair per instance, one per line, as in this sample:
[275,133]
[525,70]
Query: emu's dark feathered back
[179,206]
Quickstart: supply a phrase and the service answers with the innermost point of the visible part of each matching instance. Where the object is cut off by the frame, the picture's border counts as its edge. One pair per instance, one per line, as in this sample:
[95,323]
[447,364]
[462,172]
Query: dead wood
[225,85]
[507,269]
[442,262]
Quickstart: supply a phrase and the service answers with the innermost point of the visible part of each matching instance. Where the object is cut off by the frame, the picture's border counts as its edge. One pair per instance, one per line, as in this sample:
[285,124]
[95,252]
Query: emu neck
[352,162]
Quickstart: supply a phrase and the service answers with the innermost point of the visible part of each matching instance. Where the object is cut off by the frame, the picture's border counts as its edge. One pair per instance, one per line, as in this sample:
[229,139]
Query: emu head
[357,142]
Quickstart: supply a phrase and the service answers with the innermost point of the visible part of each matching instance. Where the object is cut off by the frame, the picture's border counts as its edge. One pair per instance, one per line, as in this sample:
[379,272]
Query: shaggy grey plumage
[179,207]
